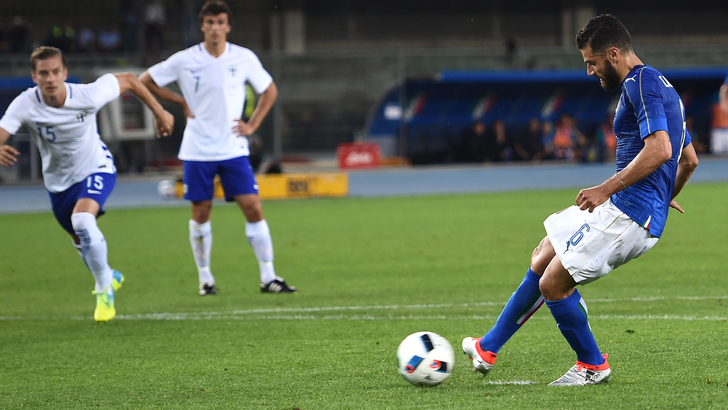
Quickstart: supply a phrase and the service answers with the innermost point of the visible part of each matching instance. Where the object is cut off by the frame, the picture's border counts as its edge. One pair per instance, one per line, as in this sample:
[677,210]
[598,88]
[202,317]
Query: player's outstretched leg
[259,238]
[524,302]
[201,242]
[571,315]
[483,360]
[94,254]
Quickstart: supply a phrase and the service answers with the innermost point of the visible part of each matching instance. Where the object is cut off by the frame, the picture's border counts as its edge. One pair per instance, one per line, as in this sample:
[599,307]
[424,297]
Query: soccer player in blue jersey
[78,169]
[611,223]
[212,77]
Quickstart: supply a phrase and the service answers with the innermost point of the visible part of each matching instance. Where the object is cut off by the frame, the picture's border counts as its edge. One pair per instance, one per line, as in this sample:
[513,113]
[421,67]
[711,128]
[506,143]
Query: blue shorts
[96,186]
[236,176]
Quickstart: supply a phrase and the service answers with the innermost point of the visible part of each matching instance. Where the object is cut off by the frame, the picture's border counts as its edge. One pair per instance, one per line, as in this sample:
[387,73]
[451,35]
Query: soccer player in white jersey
[212,76]
[611,223]
[78,169]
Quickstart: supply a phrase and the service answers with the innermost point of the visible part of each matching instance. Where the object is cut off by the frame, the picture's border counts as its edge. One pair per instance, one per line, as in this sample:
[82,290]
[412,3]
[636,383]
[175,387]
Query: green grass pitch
[370,271]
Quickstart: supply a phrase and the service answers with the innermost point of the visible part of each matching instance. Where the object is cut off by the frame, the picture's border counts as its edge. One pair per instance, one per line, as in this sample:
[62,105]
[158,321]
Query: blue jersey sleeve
[645,92]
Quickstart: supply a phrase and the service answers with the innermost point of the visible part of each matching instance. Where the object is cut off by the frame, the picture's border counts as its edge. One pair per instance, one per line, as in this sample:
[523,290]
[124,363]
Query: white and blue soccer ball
[425,358]
[166,189]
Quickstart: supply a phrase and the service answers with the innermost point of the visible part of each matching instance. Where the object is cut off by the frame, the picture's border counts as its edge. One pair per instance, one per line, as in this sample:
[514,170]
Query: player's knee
[82,221]
[541,257]
[84,224]
[253,214]
[548,288]
[201,211]
[253,211]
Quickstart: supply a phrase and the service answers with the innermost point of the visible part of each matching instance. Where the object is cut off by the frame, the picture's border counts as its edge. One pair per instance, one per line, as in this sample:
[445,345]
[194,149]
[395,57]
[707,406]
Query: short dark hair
[602,32]
[214,7]
[44,53]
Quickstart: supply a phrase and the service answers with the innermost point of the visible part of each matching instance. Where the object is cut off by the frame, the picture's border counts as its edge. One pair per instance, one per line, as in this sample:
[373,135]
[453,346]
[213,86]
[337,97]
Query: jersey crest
[81,116]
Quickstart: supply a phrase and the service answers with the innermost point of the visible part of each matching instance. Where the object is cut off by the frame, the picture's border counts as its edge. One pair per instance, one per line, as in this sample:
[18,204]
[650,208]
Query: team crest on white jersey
[233,70]
[81,116]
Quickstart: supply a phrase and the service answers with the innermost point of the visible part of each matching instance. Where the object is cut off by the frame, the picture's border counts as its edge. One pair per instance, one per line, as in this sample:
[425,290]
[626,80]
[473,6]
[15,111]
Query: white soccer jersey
[214,89]
[67,137]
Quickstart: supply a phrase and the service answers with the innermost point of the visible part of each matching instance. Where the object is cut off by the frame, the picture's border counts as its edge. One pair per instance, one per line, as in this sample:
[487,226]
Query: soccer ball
[166,189]
[425,358]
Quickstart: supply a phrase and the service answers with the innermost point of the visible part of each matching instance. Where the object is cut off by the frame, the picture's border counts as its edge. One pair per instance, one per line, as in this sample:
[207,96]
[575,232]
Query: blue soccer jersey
[648,103]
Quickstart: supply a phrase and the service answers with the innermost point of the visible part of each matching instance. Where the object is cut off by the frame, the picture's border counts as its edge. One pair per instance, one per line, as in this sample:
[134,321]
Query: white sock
[201,241]
[93,248]
[259,238]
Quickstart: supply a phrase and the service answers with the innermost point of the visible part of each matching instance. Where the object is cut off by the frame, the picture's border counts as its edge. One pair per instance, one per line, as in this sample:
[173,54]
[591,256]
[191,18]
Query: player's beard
[610,78]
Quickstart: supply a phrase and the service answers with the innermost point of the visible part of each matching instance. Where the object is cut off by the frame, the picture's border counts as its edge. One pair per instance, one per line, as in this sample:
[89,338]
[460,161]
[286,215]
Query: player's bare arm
[163,119]
[657,151]
[261,110]
[685,167]
[165,93]
[7,153]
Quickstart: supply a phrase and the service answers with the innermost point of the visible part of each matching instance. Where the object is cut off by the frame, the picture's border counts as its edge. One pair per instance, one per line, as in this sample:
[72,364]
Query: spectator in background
[4,46]
[547,136]
[497,144]
[85,39]
[18,35]
[567,141]
[698,139]
[528,144]
[719,122]
[472,143]
[110,39]
[190,31]
[255,143]
[130,10]
[606,140]
[62,37]
[511,52]
[155,18]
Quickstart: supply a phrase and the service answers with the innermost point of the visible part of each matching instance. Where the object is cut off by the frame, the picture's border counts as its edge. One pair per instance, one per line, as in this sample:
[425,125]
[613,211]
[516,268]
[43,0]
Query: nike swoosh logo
[196,70]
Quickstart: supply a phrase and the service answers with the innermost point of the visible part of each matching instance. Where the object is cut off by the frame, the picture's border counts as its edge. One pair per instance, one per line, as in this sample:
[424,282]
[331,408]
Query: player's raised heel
[583,374]
[117,281]
[483,360]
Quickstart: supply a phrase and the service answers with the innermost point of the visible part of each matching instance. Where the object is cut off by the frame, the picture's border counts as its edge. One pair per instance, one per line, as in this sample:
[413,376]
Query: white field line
[435,310]
[516,382]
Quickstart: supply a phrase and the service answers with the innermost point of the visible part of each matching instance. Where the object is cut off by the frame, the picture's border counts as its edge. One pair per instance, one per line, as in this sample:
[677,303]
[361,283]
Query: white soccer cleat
[583,374]
[483,360]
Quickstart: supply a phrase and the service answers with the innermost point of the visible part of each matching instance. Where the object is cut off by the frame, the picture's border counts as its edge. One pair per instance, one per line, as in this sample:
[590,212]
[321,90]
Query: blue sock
[524,302]
[572,318]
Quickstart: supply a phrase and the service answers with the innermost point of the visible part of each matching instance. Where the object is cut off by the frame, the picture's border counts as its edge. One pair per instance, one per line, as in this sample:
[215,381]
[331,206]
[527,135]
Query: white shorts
[590,245]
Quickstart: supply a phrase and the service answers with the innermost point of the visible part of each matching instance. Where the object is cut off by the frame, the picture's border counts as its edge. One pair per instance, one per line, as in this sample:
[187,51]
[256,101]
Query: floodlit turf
[370,272]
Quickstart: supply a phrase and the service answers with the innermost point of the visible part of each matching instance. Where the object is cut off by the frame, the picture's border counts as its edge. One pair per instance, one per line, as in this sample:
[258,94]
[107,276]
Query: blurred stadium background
[341,64]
